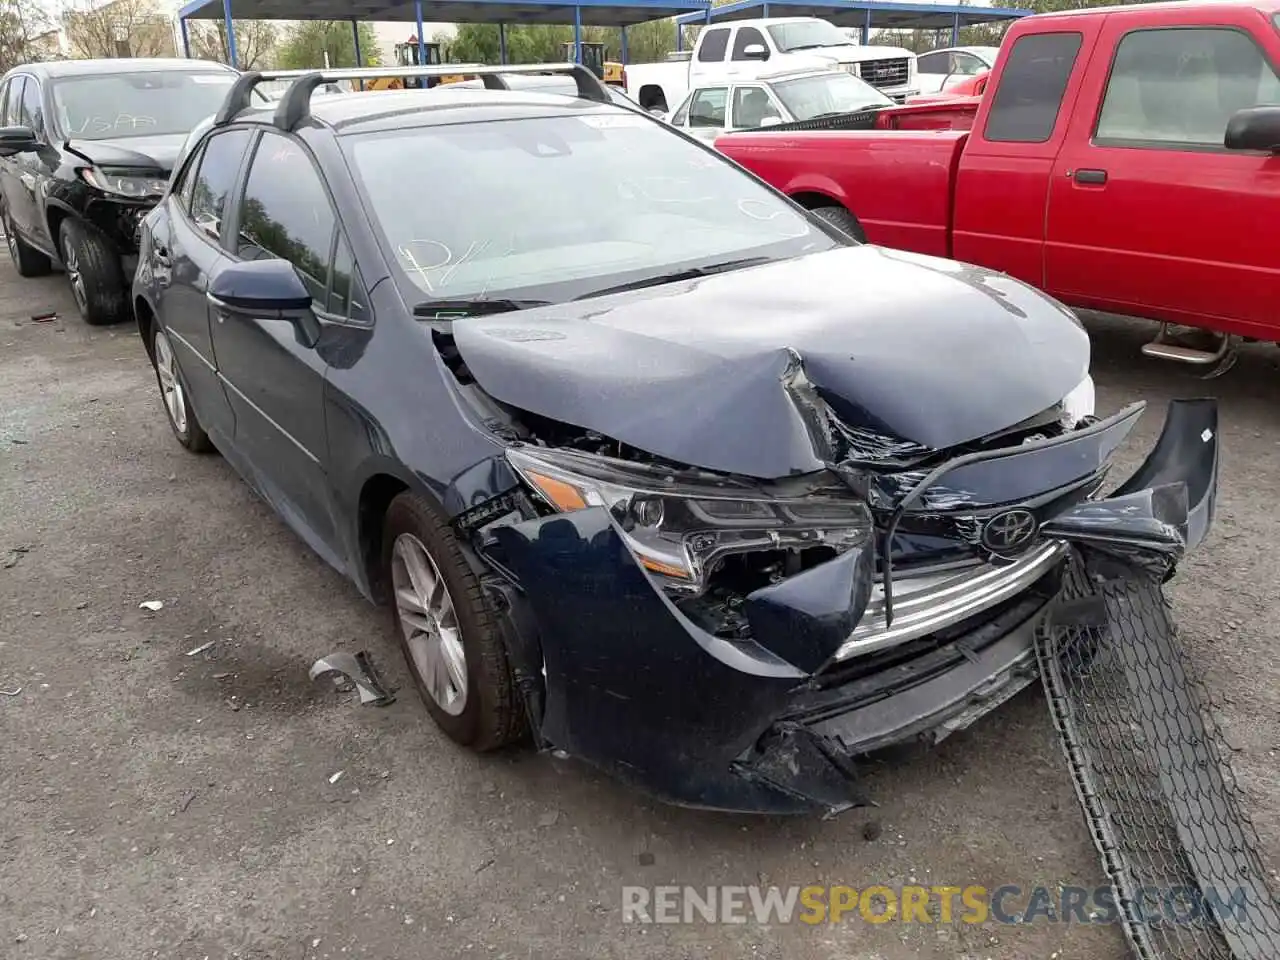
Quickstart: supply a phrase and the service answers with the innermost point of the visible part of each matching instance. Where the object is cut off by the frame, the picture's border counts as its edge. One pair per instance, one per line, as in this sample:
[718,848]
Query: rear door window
[1176,88]
[714,44]
[706,108]
[1029,95]
[938,64]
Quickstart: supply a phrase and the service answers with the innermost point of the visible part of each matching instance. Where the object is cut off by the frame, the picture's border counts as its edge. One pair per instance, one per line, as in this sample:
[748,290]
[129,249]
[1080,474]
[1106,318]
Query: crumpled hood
[717,372]
[143,153]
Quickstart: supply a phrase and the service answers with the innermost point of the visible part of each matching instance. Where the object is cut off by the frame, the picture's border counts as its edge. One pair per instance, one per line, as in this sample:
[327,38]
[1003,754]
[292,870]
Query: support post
[422,44]
[623,35]
[186,38]
[231,33]
[502,43]
[866,29]
[955,30]
[577,34]
[679,36]
[355,37]
[766,11]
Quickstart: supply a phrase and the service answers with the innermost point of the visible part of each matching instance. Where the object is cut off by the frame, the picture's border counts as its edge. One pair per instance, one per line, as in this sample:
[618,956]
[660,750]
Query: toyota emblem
[1009,532]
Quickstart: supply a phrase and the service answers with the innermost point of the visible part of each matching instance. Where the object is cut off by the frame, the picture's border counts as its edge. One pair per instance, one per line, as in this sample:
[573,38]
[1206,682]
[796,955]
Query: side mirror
[658,112]
[770,121]
[755,51]
[270,289]
[17,140]
[1253,128]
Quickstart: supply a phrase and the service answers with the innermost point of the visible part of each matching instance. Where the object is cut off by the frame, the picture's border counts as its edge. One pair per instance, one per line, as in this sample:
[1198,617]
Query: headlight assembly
[1079,403]
[125,184]
[681,530]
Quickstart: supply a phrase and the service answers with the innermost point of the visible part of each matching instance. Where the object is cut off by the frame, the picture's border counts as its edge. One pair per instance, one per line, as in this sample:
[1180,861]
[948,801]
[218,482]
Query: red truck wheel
[842,220]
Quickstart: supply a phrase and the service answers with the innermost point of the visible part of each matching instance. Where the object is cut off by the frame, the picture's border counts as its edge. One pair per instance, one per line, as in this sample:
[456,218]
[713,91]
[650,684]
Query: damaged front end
[736,644]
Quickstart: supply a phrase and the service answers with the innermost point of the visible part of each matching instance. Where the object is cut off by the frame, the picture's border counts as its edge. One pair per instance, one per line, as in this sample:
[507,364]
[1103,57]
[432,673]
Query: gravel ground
[163,804]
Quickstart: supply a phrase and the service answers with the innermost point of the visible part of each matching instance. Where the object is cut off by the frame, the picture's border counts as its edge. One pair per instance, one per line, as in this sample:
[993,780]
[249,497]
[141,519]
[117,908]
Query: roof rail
[295,105]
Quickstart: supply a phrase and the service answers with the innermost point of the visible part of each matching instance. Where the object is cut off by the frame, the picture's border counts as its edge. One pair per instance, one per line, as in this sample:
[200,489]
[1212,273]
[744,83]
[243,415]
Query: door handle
[1091,176]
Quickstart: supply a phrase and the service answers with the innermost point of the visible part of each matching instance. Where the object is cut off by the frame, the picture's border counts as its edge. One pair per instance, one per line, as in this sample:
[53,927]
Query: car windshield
[806,34]
[152,103]
[556,208]
[827,93]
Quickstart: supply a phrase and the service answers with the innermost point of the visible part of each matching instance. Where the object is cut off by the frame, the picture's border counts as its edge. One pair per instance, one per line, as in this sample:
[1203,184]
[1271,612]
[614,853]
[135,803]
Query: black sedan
[651,465]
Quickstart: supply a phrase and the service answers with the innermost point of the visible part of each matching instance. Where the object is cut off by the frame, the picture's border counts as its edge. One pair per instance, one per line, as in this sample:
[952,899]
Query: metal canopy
[867,14]
[595,13]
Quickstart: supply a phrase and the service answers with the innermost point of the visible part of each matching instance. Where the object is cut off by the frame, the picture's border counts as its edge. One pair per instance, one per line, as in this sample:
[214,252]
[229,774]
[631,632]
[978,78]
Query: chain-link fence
[1148,762]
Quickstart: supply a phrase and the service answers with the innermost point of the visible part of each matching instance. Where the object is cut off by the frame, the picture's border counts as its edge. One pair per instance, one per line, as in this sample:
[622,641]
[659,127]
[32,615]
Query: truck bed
[910,177]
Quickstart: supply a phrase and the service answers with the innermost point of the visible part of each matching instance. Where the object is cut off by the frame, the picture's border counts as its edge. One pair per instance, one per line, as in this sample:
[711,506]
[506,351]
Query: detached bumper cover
[772,724]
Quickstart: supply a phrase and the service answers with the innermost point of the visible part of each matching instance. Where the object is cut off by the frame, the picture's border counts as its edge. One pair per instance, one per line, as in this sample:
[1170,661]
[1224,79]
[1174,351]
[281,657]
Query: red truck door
[1002,185]
[1148,213]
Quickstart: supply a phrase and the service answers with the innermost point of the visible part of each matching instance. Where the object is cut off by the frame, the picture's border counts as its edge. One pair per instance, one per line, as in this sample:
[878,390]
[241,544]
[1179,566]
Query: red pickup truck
[1124,159]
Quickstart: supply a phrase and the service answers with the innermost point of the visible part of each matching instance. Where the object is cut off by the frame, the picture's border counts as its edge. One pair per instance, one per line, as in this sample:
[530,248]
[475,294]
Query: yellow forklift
[407,56]
[593,58]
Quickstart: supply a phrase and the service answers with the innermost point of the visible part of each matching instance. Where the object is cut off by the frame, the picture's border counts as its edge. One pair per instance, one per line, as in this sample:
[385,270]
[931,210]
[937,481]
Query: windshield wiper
[814,46]
[689,273]
[478,307]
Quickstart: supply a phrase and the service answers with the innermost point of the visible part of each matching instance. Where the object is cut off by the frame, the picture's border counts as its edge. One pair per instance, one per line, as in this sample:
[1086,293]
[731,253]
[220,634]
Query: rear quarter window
[1029,95]
[714,44]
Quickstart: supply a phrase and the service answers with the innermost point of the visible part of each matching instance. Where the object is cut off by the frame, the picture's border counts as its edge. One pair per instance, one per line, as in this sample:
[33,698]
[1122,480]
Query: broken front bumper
[772,724]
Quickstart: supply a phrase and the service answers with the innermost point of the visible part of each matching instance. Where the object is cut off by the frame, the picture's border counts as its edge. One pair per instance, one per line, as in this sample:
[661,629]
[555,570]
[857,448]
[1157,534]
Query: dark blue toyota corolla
[651,465]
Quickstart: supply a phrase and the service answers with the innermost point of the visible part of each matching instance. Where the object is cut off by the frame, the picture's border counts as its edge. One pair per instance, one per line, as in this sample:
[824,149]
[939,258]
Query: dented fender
[632,685]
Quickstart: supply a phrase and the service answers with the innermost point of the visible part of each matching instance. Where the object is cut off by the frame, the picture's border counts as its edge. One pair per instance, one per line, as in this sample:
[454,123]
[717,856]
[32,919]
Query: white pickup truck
[744,49]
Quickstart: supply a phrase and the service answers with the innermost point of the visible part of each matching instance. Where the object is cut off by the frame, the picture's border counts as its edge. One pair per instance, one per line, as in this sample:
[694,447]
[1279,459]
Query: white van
[744,49]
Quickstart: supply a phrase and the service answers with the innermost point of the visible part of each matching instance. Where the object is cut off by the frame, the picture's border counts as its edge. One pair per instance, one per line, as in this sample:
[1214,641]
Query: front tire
[448,630]
[173,394]
[93,270]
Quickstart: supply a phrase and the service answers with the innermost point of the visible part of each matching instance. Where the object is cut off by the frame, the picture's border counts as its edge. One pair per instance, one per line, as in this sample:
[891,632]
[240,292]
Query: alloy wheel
[170,386]
[71,263]
[10,239]
[430,624]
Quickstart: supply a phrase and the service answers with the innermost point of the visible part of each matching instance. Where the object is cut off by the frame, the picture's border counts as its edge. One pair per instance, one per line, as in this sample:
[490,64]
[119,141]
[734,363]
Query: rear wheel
[93,270]
[842,220]
[448,631]
[173,393]
[28,261]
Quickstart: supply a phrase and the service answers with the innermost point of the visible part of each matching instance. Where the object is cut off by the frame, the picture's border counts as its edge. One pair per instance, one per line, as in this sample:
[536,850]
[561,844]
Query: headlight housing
[1079,403]
[680,530]
[125,183]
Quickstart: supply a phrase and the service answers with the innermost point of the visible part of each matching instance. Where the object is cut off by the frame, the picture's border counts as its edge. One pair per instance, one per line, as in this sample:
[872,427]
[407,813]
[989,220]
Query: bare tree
[255,42]
[21,21]
[121,28]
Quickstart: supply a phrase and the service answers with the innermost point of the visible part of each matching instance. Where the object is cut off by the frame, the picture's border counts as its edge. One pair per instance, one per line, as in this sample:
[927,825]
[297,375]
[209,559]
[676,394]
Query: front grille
[885,73]
[925,604]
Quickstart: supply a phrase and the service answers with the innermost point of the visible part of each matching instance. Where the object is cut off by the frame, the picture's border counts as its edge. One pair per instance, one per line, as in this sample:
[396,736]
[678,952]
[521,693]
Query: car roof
[82,68]
[371,111]
[1145,10]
